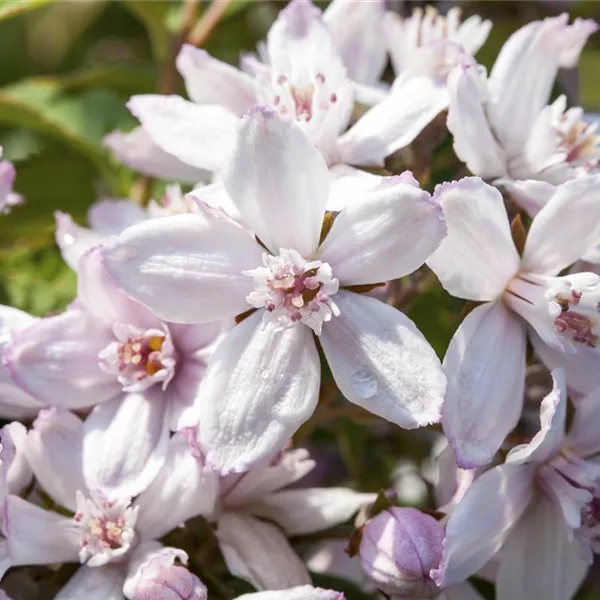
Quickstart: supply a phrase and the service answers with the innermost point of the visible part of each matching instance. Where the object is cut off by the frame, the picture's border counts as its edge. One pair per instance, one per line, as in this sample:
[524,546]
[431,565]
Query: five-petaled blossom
[485,361]
[296,274]
[538,513]
[501,125]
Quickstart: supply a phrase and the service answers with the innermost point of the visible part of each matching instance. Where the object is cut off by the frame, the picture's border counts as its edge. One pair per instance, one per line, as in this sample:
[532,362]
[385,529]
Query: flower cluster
[176,385]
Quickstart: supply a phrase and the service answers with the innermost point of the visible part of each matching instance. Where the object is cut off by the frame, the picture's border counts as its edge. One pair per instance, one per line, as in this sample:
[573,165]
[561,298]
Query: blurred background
[66,72]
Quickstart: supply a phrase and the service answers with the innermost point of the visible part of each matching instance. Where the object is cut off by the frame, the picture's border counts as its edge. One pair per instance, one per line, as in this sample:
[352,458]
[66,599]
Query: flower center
[106,529]
[294,290]
[564,311]
[576,138]
[139,358]
[303,99]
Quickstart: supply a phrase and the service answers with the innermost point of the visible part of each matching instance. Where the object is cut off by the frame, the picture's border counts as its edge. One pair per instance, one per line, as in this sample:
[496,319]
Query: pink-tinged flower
[501,125]
[521,296]
[14,402]
[399,549]
[255,515]
[304,592]
[142,373]
[137,150]
[110,217]
[8,198]
[303,79]
[537,513]
[111,535]
[262,383]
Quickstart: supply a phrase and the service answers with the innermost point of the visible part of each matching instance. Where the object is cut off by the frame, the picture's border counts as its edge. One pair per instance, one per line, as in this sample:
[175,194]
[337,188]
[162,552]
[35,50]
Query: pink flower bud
[399,548]
[170,583]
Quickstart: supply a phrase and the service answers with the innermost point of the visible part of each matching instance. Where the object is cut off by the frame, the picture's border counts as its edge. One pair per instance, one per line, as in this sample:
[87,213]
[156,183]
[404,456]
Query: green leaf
[80,121]
[14,8]
[154,16]
[128,79]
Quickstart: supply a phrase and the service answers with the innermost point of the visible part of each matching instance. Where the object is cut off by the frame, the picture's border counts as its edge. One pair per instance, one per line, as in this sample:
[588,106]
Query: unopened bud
[399,548]
[170,583]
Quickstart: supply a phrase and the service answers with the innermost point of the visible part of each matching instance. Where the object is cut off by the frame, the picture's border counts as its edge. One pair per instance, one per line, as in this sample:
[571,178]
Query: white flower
[263,380]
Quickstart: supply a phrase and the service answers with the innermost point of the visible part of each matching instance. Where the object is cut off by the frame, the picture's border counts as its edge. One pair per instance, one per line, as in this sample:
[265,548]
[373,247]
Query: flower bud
[170,582]
[398,549]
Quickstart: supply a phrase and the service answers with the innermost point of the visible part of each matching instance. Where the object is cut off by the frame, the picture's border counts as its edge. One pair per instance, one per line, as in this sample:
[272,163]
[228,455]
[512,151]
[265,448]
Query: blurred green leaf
[129,79]
[14,8]
[154,15]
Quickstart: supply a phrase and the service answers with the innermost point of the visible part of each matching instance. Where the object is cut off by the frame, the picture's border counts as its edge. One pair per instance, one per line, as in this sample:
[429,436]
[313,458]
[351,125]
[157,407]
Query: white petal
[183,489]
[310,510]
[383,234]
[210,81]
[461,591]
[137,150]
[13,437]
[185,268]
[478,257]
[56,360]
[95,583]
[521,80]
[200,136]
[485,364]
[54,449]
[472,33]
[281,205]
[252,485]
[381,361]
[581,368]
[125,443]
[39,537]
[538,561]
[259,553]
[558,235]
[261,385]
[110,217]
[583,433]
[474,142]
[215,196]
[304,592]
[73,240]
[531,194]
[356,31]
[553,414]
[483,519]
[394,122]
[573,39]
[349,184]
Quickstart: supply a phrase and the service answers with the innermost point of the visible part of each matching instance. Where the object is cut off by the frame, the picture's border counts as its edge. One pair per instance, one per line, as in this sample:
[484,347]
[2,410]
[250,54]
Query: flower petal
[183,489]
[304,592]
[259,553]
[54,449]
[394,122]
[261,385]
[284,209]
[56,360]
[39,537]
[95,583]
[483,519]
[137,150]
[185,268]
[211,81]
[110,217]
[200,136]
[461,591]
[531,194]
[478,257]
[125,443]
[474,142]
[553,414]
[384,234]
[310,510]
[538,560]
[15,467]
[73,240]
[381,362]
[356,31]
[558,236]
[485,365]
[583,436]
